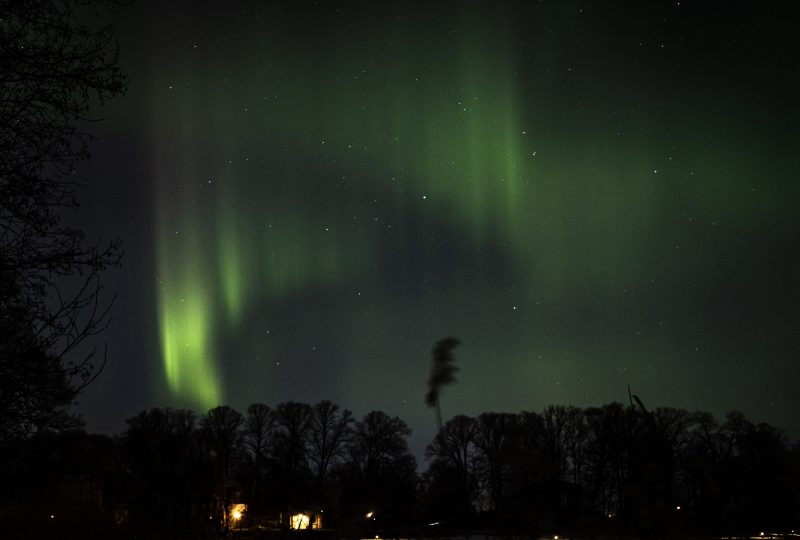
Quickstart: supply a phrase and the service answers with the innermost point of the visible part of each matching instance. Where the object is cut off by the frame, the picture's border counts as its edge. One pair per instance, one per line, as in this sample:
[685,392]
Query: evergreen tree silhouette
[443,373]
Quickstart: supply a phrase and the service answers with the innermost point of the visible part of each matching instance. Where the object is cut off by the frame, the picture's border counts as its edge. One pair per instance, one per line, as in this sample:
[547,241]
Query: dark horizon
[565,472]
[417,445]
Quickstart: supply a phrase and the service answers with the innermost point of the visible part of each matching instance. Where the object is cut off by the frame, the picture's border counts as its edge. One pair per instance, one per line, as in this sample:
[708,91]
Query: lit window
[300,521]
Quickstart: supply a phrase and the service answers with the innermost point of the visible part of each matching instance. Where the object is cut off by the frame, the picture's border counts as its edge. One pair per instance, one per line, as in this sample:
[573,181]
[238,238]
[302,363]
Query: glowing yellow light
[236,512]
[677,508]
[299,521]
[52,516]
[369,514]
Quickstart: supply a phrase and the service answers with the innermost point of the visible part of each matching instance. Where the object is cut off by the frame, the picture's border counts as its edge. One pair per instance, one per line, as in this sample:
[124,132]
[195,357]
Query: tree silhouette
[258,431]
[496,443]
[221,427]
[160,447]
[378,441]
[221,430]
[454,461]
[381,472]
[35,387]
[331,429]
[53,69]
[442,373]
[289,450]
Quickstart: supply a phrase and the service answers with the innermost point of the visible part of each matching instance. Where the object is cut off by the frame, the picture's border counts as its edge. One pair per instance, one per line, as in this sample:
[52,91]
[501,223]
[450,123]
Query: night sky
[587,194]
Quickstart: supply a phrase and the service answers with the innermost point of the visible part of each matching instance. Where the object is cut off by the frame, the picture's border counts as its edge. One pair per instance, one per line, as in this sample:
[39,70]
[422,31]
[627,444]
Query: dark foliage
[53,69]
[612,470]
[443,372]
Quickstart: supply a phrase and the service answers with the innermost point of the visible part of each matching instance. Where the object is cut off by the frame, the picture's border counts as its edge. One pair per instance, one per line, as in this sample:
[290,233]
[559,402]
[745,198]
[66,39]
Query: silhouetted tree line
[613,469]
[173,471]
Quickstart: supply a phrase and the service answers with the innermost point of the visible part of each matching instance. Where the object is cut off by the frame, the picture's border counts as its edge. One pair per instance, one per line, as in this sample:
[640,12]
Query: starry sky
[587,194]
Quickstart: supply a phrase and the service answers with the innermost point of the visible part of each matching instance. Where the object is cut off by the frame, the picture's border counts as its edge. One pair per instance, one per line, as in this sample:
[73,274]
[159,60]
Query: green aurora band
[449,133]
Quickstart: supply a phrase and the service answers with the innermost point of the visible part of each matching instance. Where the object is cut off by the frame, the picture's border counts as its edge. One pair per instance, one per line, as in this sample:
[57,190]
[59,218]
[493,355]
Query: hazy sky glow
[588,195]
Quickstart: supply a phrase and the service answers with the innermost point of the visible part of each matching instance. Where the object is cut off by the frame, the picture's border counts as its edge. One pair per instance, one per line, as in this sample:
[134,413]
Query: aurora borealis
[587,195]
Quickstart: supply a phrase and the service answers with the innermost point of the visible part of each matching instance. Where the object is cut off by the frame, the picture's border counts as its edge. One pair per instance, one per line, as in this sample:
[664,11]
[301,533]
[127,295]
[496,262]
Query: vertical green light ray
[185,296]
[231,259]
[186,326]
[186,306]
[470,155]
